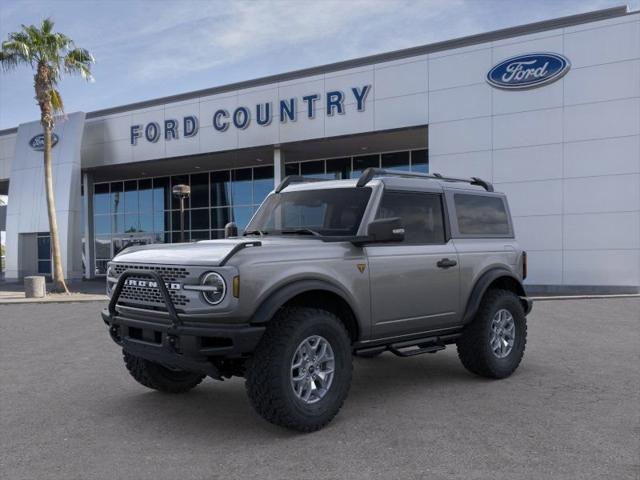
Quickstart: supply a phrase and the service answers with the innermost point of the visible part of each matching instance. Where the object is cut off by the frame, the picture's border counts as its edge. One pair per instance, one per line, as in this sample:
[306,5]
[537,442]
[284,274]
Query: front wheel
[300,373]
[493,344]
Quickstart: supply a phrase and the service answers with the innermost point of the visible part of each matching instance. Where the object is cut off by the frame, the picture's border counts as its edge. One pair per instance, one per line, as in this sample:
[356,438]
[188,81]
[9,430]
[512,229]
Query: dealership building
[548,112]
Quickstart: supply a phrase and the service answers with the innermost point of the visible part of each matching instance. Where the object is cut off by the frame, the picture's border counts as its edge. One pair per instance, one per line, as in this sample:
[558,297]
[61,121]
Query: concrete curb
[55,299]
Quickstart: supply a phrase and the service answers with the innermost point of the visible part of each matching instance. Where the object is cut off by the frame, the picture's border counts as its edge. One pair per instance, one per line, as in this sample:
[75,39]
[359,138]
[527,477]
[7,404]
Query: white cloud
[184,39]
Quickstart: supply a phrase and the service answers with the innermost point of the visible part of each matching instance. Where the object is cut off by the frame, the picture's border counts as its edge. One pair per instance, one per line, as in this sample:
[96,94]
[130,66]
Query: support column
[87,221]
[278,166]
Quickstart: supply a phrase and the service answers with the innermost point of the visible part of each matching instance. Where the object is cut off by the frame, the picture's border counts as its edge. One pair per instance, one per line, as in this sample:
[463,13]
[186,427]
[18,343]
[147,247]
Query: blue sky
[149,49]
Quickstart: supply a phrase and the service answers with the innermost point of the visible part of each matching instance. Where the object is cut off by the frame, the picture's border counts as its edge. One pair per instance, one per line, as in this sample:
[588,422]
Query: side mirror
[386,230]
[230,230]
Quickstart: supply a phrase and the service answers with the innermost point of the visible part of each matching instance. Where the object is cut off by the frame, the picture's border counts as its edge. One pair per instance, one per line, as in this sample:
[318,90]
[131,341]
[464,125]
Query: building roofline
[494,35]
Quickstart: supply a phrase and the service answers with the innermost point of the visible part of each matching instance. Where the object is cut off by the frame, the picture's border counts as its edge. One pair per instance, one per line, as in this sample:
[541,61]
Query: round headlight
[216,288]
[110,276]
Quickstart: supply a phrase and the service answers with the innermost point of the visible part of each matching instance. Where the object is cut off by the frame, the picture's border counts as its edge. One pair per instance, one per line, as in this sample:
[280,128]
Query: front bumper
[172,341]
[189,347]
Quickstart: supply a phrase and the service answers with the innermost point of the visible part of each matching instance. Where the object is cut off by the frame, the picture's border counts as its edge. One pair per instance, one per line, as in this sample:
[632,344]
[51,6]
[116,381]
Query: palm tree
[50,55]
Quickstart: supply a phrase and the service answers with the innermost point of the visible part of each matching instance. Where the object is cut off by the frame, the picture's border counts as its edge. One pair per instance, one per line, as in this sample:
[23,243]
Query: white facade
[567,153]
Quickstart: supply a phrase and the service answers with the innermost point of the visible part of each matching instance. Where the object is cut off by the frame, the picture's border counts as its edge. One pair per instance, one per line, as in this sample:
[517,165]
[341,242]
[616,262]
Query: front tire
[157,377]
[300,373]
[493,344]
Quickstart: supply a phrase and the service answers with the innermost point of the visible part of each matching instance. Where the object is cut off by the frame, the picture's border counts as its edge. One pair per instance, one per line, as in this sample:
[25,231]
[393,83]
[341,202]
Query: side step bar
[417,346]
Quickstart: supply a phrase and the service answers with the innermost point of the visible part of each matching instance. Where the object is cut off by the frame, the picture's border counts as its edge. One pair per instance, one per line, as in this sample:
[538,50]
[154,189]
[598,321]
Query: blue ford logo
[528,71]
[37,142]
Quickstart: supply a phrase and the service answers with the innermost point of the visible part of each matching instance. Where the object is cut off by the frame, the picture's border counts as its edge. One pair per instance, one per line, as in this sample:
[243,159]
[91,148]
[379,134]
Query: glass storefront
[137,212]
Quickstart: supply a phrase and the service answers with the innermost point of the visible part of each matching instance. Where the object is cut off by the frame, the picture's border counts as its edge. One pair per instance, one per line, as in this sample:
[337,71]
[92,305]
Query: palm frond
[56,101]
[47,26]
[79,61]
[9,61]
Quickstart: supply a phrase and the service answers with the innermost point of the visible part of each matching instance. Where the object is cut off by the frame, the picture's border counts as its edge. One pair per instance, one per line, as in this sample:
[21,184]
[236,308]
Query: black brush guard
[181,346]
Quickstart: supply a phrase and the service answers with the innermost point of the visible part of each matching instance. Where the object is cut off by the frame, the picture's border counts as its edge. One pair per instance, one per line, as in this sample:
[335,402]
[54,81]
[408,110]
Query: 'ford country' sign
[528,71]
[37,142]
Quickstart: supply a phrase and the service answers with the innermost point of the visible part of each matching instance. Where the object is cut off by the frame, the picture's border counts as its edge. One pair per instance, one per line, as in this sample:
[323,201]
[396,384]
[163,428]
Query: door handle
[446,263]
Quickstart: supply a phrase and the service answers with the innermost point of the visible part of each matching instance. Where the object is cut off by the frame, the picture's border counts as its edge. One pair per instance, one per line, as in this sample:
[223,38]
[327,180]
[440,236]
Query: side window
[481,215]
[420,213]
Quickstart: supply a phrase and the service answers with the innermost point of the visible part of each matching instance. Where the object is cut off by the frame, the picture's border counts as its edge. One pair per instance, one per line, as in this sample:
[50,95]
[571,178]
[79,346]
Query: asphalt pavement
[69,410]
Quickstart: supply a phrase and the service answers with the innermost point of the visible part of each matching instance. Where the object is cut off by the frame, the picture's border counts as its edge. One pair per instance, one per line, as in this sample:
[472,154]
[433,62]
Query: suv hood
[207,252]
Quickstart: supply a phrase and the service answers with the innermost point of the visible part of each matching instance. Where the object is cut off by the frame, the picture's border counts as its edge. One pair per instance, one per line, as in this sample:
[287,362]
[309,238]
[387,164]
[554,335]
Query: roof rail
[373,172]
[296,179]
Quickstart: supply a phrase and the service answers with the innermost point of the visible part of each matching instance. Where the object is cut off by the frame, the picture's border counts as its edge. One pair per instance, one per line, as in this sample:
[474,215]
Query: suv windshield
[325,212]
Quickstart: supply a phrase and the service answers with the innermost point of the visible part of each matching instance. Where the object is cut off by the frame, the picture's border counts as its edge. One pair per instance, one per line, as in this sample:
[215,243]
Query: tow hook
[172,340]
[114,331]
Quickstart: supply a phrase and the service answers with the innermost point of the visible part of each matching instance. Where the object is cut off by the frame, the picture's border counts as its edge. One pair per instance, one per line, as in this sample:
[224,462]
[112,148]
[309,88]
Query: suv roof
[372,174]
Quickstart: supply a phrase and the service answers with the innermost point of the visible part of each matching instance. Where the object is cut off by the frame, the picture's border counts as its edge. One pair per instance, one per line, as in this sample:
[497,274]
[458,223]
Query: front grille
[149,296]
[170,274]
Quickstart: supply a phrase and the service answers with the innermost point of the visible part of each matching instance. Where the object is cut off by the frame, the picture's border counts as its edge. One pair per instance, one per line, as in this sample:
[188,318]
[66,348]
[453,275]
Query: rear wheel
[300,373]
[158,377]
[493,344]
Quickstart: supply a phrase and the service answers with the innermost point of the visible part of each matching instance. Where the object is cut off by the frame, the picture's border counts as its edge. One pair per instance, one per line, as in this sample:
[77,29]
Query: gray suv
[391,261]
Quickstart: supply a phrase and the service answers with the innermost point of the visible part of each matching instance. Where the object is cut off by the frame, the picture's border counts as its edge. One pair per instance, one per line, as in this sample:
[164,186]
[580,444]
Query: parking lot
[69,410]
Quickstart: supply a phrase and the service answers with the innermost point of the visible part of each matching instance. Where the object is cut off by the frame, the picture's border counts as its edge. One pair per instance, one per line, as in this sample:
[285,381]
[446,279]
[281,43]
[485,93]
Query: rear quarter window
[481,215]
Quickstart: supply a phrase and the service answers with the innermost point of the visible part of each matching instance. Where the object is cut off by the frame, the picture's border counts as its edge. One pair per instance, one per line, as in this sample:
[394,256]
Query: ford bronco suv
[392,261]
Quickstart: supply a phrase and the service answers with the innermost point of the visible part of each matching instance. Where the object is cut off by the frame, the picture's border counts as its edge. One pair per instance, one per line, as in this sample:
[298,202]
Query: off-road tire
[155,376]
[268,381]
[474,349]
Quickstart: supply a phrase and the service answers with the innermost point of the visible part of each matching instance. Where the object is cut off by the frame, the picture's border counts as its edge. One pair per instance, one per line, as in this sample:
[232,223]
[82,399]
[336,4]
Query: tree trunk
[43,86]
[59,284]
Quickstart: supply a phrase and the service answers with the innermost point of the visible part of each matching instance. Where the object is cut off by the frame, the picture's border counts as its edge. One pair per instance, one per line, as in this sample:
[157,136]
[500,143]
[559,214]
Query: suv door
[414,283]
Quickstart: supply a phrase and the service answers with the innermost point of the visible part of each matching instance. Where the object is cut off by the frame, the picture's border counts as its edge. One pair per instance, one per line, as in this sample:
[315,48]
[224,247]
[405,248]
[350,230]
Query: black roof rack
[373,172]
[296,179]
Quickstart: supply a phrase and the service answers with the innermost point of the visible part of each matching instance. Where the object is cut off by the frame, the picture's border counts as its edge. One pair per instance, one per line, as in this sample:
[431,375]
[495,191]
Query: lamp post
[182,192]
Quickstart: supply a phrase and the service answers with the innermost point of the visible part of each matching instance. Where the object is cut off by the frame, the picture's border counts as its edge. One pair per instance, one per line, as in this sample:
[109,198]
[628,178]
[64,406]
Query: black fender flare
[482,285]
[283,294]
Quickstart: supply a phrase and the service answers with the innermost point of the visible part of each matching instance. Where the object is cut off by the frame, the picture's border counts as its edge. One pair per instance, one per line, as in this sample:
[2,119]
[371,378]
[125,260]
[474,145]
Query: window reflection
[220,217]
[292,169]
[420,161]
[242,215]
[200,219]
[116,198]
[200,190]
[241,187]
[262,183]
[145,195]
[101,198]
[146,222]
[360,164]
[313,169]
[339,168]
[396,161]
[175,220]
[161,194]
[131,196]
[220,188]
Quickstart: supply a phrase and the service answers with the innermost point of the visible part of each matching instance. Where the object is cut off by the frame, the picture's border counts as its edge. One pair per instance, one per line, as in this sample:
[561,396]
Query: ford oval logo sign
[528,71]
[37,142]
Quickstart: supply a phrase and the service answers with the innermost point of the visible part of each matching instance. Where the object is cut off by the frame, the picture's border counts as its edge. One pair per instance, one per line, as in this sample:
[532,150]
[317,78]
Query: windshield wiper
[301,231]
[254,232]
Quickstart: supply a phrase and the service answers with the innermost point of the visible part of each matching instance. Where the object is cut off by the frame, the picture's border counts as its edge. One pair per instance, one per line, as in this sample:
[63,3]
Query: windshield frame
[310,231]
